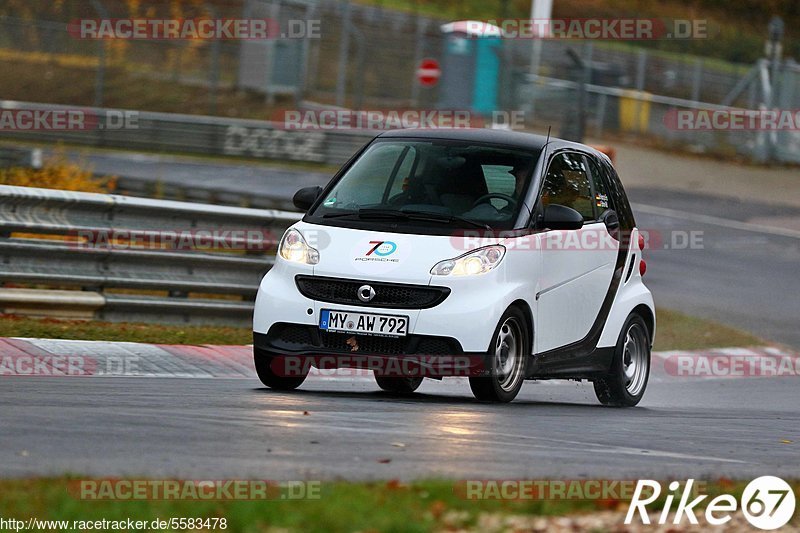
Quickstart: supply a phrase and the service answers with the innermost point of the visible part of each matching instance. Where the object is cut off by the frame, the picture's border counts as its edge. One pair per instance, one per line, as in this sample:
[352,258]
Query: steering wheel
[486,197]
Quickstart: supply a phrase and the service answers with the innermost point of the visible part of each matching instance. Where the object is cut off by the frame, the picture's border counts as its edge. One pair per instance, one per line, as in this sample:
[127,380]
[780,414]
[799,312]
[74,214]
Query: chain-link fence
[208,64]
[366,57]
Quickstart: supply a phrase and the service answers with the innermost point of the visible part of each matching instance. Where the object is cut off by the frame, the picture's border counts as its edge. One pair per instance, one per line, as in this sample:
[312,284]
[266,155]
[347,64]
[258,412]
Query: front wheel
[268,370]
[506,361]
[398,385]
[626,381]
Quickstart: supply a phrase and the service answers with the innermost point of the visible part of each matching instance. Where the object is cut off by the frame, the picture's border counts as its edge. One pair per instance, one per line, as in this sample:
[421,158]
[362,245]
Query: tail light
[642,264]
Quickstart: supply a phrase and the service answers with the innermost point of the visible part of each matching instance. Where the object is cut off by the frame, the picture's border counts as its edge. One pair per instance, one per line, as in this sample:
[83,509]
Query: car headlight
[294,248]
[475,262]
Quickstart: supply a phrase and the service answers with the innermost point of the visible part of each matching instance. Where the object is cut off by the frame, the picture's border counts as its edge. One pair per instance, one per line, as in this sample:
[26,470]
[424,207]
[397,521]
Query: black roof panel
[485,135]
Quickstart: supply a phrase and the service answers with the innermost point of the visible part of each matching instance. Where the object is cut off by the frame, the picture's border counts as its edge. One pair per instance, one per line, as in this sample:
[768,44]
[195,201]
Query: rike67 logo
[767,502]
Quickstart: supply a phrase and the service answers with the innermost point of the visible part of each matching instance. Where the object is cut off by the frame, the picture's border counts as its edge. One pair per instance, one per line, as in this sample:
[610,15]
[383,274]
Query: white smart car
[496,255]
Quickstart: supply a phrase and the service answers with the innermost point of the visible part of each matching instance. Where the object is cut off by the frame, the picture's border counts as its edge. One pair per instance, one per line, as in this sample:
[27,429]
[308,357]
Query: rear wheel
[626,382]
[398,385]
[268,368]
[506,362]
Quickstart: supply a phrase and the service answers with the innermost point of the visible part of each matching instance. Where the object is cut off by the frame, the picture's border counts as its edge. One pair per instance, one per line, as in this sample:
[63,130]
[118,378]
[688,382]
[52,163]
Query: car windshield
[415,183]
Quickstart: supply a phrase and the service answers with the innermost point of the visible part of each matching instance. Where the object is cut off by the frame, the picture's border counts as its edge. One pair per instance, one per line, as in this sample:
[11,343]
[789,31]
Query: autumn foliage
[58,172]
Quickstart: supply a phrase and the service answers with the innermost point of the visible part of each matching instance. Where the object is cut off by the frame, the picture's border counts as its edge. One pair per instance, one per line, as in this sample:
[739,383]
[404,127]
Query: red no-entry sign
[428,72]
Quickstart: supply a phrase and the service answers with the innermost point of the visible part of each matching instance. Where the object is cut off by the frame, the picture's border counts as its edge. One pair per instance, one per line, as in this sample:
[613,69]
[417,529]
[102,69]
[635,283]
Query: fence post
[274,13]
[419,50]
[311,10]
[697,79]
[601,113]
[641,69]
[361,45]
[641,66]
[214,71]
[344,51]
[100,75]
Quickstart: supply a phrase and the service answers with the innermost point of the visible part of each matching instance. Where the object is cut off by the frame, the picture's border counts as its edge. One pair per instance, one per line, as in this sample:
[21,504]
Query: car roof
[508,138]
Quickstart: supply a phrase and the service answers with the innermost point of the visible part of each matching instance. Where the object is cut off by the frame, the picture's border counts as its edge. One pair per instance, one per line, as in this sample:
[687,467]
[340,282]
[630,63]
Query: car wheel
[506,361]
[630,369]
[399,385]
[265,368]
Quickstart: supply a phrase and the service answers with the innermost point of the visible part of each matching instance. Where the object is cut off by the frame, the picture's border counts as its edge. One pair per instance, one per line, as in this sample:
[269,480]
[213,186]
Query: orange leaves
[57,173]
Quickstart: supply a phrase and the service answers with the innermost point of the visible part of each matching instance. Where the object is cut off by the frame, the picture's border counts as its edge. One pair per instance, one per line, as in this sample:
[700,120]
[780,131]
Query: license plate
[363,323]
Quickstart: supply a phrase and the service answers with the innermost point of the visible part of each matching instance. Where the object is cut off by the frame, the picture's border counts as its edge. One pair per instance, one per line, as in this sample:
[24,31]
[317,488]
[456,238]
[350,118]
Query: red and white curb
[48,357]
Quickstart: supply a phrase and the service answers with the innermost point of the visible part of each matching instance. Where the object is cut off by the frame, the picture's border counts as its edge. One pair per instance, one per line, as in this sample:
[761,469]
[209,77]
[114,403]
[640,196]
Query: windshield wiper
[441,217]
[372,212]
[339,215]
[367,213]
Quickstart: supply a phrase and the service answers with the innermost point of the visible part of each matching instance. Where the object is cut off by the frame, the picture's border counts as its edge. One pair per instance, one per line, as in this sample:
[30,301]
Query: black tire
[626,381]
[399,385]
[272,379]
[501,380]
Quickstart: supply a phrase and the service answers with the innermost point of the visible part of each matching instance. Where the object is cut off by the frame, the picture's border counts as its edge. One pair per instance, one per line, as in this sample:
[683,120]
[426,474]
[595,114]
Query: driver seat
[459,188]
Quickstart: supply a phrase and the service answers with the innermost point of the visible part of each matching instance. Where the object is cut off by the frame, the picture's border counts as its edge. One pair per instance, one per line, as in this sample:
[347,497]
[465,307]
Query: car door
[577,265]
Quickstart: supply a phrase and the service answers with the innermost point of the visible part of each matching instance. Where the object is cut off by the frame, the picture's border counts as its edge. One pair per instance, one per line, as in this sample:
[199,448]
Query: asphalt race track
[743,274]
[234,428]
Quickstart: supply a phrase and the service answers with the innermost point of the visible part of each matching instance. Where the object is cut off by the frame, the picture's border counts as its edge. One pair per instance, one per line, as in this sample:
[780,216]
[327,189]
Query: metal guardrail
[149,260]
[193,134]
[20,157]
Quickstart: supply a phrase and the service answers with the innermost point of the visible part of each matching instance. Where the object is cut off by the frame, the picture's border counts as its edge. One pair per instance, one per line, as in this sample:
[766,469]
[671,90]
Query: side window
[567,183]
[602,200]
[619,200]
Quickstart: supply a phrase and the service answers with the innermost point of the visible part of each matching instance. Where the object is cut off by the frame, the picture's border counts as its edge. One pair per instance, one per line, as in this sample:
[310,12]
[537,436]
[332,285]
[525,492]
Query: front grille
[367,344]
[387,295]
[296,337]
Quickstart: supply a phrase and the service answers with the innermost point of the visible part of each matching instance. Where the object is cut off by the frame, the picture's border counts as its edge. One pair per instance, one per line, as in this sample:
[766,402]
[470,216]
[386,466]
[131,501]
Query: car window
[443,177]
[400,181]
[567,183]
[620,200]
[602,200]
[500,179]
[369,180]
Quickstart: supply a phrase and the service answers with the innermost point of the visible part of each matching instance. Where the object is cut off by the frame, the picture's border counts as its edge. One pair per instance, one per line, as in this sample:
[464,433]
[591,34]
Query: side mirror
[561,217]
[305,197]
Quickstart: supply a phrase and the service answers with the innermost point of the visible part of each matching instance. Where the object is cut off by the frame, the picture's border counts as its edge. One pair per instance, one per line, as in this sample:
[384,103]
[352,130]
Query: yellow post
[634,111]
